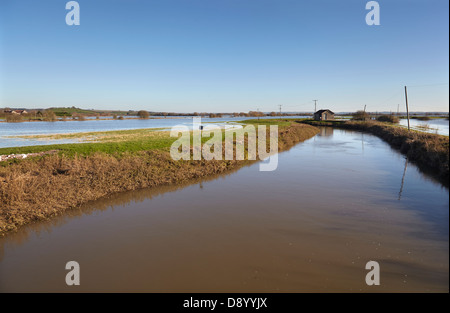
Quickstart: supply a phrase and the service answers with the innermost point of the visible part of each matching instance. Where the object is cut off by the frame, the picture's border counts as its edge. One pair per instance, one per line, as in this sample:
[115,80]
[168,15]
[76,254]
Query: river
[334,203]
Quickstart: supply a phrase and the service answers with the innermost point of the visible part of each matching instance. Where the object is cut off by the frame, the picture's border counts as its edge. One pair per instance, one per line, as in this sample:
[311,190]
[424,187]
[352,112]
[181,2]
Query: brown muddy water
[335,202]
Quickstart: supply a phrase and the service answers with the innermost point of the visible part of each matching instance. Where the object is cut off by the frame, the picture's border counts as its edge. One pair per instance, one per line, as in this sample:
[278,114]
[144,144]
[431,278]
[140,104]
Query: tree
[143,114]
[361,116]
[49,116]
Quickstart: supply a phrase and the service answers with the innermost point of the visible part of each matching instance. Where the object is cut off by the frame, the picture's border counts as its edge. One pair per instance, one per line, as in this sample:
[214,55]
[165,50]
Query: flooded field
[13,134]
[335,202]
[434,126]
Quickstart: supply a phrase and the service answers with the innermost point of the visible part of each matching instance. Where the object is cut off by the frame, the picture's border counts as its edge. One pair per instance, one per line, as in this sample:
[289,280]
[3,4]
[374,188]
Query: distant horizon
[226,112]
[225,55]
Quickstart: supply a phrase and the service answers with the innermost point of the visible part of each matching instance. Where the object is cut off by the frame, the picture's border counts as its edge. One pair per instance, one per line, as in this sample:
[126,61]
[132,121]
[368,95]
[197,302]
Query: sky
[225,55]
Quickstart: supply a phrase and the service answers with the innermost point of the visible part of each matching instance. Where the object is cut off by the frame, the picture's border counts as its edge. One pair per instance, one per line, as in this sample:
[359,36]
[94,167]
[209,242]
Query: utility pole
[280,110]
[257,110]
[398,109]
[407,108]
[315,105]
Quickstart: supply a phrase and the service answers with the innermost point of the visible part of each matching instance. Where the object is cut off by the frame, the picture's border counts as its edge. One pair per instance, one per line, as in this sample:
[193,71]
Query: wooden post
[407,108]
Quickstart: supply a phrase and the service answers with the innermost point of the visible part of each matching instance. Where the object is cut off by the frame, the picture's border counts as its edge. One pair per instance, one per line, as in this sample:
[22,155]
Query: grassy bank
[41,187]
[429,151]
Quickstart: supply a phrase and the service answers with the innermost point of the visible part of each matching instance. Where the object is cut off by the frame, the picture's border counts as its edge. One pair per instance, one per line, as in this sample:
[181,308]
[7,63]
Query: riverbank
[429,151]
[47,185]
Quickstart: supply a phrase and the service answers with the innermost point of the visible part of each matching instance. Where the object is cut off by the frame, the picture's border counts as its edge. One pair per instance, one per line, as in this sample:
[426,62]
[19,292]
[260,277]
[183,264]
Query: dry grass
[37,189]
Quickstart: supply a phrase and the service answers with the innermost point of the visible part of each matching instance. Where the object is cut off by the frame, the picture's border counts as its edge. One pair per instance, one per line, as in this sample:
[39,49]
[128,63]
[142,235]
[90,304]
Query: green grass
[109,142]
[70,111]
[89,148]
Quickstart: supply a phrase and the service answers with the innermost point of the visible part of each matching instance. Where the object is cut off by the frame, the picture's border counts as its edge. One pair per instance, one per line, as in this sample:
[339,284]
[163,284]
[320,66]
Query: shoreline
[42,187]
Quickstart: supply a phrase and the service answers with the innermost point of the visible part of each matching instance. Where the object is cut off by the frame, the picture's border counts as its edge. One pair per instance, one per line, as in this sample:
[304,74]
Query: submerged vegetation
[40,187]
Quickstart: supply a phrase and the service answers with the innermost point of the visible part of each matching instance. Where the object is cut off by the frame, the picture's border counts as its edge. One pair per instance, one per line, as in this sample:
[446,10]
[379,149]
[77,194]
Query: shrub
[12,118]
[361,116]
[388,119]
[49,116]
[143,114]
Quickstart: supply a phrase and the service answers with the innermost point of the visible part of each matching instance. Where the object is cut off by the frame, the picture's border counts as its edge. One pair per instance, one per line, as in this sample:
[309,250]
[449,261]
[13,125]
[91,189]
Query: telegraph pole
[398,109]
[280,109]
[407,108]
[315,105]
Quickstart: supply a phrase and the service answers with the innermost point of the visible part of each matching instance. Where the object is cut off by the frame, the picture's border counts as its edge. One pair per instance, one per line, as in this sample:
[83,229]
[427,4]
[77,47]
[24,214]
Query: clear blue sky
[224,55]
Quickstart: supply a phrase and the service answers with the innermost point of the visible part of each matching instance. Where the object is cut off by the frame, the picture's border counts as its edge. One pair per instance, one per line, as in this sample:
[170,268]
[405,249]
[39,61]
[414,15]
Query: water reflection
[110,202]
[403,180]
[326,131]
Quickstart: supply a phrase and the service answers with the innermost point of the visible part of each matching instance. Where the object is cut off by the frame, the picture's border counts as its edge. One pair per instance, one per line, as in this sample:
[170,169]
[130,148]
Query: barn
[324,115]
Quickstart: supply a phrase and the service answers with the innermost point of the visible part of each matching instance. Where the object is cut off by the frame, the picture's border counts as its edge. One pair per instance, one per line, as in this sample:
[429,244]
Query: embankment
[429,151]
[46,186]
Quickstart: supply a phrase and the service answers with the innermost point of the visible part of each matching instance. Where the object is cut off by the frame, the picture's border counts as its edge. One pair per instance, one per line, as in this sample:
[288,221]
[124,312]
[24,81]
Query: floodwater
[8,131]
[334,203]
[435,126]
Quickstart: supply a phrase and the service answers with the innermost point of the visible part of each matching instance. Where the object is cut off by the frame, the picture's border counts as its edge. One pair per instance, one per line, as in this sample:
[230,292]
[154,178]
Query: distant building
[324,115]
[19,112]
[15,111]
